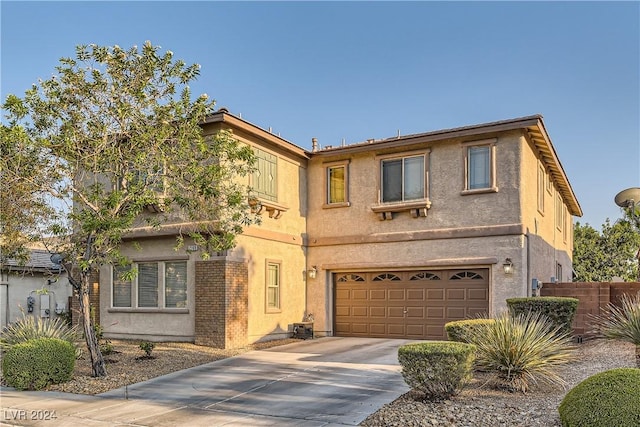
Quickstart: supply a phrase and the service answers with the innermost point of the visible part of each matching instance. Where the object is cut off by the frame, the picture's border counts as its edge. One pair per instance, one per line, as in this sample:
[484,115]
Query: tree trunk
[97,361]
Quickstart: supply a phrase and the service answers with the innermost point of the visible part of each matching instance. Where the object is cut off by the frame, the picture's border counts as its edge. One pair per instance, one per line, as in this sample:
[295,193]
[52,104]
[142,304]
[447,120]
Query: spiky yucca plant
[621,322]
[31,327]
[522,349]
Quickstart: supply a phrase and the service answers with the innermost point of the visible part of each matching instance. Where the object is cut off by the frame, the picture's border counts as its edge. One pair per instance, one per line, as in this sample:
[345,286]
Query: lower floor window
[273,286]
[156,284]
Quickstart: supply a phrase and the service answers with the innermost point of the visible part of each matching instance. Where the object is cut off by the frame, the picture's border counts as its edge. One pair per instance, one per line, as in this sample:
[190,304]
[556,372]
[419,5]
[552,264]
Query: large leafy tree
[601,256]
[25,210]
[119,138]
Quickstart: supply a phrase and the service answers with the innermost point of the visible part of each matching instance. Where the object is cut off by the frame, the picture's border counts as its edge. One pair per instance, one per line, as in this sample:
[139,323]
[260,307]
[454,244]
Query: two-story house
[386,238]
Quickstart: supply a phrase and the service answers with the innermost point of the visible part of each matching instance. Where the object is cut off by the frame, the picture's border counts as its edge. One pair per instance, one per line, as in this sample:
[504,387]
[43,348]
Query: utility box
[45,308]
[303,330]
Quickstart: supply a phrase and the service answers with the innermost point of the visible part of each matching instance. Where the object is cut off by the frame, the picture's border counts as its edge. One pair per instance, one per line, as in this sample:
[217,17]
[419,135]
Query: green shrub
[610,398]
[559,310]
[621,322]
[520,350]
[34,364]
[459,330]
[147,347]
[439,369]
[32,327]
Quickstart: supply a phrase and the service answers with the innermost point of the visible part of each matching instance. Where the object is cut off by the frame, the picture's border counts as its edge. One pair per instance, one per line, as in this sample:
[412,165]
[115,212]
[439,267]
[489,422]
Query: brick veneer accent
[94,300]
[222,303]
[592,298]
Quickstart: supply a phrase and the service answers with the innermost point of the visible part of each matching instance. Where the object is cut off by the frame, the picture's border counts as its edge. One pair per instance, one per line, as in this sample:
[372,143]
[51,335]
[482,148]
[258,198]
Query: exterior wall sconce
[507,266]
[312,272]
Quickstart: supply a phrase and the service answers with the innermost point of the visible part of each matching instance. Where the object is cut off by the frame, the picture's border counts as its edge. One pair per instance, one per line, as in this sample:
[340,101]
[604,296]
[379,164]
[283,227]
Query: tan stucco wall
[278,239]
[281,240]
[16,287]
[150,323]
[470,230]
[554,245]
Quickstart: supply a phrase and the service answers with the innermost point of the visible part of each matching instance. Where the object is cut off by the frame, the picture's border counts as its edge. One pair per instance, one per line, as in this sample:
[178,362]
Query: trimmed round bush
[438,369]
[462,330]
[610,398]
[36,363]
[560,310]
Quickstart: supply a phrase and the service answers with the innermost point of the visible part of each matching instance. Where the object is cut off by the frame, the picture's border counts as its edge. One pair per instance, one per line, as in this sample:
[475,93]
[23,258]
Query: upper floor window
[264,180]
[480,166]
[337,184]
[541,174]
[559,212]
[403,179]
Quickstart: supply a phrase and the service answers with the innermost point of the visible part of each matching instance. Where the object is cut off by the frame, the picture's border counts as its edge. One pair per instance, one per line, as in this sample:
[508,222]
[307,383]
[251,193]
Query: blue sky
[360,70]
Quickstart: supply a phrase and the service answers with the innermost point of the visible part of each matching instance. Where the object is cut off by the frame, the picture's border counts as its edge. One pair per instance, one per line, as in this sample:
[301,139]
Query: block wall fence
[592,297]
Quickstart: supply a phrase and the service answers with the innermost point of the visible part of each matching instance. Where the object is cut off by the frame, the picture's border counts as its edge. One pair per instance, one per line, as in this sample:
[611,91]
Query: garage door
[407,304]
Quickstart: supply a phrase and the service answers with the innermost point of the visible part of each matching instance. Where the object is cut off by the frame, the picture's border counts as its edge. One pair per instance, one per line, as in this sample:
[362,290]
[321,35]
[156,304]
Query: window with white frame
[541,188]
[337,184]
[480,166]
[273,286]
[403,179]
[264,182]
[158,284]
[121,288]
[559,212]
[175,284]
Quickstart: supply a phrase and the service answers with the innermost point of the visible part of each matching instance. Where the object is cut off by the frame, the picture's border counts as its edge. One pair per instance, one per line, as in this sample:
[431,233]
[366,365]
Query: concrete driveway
[321,382]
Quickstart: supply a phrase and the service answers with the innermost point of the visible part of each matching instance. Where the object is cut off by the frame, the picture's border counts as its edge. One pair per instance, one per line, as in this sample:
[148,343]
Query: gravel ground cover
[480,406]
[128,364]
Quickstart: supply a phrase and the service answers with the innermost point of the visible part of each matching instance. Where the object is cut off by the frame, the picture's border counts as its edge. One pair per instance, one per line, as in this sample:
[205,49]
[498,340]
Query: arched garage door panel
[410,305]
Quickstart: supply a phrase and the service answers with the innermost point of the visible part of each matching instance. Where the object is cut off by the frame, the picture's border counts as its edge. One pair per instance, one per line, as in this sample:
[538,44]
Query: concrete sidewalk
[322,382]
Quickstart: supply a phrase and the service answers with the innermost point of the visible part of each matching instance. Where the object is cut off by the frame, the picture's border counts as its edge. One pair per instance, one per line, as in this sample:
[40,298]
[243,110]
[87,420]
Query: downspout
[529,278]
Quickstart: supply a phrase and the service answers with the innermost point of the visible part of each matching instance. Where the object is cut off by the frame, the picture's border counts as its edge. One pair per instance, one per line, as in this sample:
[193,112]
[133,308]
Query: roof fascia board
[440,135]
[236,122]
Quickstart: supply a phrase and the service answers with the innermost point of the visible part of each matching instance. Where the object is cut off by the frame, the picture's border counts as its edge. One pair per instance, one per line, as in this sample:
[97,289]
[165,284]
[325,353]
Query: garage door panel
[396,329]
[395,312]
[396,294]
[359,294]
[415,312]
[456,294]
[378,294]
[378,329]
[416,330]
[416,305]
[343,294]
[478,294]
[457,313]
[415,295]
[343,311]
[435,294]
[359,311]
[378,311]
[435,312]
[343,328]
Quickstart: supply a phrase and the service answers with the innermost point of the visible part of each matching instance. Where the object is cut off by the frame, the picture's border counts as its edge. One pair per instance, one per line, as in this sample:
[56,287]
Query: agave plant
[621,322]
[522,349]
[30,327]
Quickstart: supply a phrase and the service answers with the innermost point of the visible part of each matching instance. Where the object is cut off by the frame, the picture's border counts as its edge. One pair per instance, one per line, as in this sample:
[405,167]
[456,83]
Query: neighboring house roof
[40,260]
[532,125]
